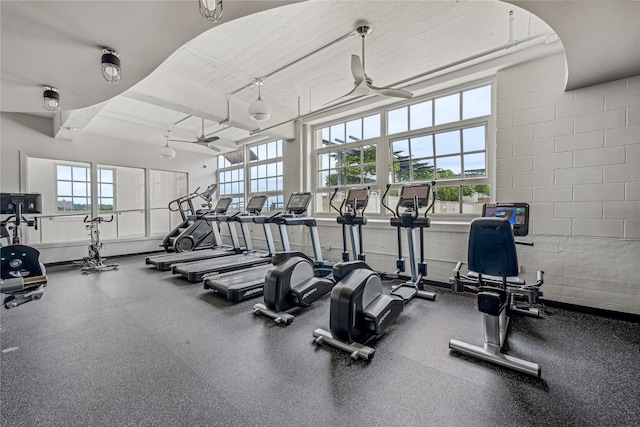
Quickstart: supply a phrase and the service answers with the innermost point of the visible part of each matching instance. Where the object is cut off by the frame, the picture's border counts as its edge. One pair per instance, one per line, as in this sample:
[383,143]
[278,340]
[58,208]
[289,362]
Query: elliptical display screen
[298,202]
[357,198]
[31,203]
[516,213]
[410,192]
[223,205]
[256,203]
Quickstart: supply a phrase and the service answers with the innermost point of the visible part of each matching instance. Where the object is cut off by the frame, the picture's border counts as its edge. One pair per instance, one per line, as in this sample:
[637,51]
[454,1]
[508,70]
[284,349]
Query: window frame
[87,183]
[384,143]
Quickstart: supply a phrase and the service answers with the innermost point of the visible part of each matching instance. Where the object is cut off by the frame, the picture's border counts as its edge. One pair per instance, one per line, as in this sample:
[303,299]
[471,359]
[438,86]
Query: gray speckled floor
[141,347]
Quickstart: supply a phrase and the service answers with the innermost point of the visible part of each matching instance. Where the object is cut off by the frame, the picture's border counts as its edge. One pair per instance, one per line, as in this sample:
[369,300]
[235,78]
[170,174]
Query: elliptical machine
[360,311]
[292,283]
[412,198]
[94,261]
[22,274]
[493,274]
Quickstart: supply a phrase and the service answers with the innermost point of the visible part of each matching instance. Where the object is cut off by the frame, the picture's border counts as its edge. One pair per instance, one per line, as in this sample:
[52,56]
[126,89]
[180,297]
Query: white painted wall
[574,156]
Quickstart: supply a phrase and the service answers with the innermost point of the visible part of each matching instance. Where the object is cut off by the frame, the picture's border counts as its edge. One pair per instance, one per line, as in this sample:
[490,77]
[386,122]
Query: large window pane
[447,109]
[447,143]
[64,172]
[474,165]
[371,126]
[420,115]
[338,134]
[397,120]
[476,102]
[422,170]
[422,146]
[354,130]
[449,167]
[473,139]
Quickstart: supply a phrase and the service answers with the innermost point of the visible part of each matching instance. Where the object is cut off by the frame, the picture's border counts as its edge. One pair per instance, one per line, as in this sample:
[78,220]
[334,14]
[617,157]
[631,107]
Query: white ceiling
[209,69]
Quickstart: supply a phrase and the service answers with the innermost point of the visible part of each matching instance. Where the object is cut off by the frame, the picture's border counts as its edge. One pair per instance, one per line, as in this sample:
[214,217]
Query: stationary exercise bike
[493,274]
[94,261]
[292,283]
[22,274]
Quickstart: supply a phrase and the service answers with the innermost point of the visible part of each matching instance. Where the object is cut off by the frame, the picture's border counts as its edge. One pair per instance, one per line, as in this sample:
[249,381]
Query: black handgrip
[521,242]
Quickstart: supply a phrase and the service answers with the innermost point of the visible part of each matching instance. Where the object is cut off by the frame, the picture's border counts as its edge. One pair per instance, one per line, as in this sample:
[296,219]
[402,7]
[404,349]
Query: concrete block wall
[574,157]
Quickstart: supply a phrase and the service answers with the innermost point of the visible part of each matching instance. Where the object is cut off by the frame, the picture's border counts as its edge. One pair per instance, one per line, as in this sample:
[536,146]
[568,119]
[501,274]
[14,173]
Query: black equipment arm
[384,196]
[331,201]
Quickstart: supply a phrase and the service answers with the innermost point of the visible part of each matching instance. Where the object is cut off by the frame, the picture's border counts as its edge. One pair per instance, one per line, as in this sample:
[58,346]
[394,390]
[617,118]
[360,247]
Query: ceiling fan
[363,84]
[202,140]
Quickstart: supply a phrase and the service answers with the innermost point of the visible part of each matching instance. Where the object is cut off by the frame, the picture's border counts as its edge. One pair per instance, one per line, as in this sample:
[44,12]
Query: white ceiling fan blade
[179,140]
[213,147]
[352,92]
[357,69]
[390,92]
[211,139]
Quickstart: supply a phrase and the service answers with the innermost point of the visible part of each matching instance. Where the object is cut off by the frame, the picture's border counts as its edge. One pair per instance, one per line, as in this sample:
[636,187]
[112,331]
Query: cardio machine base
[280,317]
[408,292]
[90,266]
[493,355]
[356,350]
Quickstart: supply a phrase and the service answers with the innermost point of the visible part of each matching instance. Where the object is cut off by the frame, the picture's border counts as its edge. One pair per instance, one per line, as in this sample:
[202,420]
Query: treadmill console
[255,205]
[516,213]
[222,206]
[30,203]
[410,192]
[357,199]
[298,203]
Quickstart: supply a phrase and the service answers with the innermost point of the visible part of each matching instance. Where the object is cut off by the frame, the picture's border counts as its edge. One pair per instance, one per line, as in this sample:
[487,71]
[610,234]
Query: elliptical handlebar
[384,196]
[335,192]
[433,198]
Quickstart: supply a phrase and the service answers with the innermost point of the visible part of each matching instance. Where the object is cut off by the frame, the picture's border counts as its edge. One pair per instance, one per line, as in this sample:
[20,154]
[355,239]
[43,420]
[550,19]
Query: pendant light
[259,110]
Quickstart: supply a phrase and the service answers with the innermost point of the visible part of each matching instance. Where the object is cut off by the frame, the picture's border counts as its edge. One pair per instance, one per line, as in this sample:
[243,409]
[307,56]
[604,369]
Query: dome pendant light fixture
[167,152]
[259,110]
[111,70]
[51,97]
[211,10]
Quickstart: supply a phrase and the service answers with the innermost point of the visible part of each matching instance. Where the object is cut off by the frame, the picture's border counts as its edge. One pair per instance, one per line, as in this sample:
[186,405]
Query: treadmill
[249,283]
[218,215]
[199,270]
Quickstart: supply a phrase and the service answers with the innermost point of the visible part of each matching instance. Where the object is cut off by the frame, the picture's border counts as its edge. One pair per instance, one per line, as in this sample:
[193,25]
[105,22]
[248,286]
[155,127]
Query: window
[347,155]
[351,131]
[73,188]
[453,154]
[231,178]
[79,189]
[266,173]
[105,190]
[442,138]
